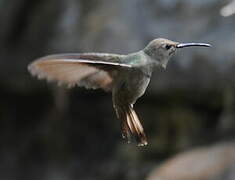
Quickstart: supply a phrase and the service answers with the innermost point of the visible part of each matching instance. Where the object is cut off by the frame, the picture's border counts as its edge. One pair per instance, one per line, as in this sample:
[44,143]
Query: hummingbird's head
[161,50]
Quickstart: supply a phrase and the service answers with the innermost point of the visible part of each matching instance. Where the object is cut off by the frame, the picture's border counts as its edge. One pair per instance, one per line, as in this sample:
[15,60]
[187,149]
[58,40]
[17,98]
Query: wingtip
[31,69]
[35,71]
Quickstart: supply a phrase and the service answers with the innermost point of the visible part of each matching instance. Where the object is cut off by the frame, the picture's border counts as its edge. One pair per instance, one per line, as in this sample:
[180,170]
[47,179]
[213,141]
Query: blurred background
[51,133]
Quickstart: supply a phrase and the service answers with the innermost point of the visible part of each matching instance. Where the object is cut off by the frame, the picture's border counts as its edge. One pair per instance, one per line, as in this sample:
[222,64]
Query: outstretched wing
[91,70]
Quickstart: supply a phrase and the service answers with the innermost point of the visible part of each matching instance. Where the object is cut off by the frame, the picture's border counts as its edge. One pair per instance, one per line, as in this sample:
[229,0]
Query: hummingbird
[125,76]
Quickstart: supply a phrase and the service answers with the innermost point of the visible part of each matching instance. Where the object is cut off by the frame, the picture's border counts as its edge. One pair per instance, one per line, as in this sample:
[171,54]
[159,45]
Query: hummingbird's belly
[136,84]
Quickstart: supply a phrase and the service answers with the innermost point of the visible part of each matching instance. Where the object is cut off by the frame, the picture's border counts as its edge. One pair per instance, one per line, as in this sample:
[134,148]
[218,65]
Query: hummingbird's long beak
[182,45]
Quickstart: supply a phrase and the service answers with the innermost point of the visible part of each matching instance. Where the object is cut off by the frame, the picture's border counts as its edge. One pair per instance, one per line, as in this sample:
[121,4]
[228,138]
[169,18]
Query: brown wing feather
[92,71]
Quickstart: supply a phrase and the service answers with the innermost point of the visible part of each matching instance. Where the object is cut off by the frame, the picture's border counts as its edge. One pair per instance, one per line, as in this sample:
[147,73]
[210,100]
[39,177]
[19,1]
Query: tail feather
[121,114]
[130,124]
[136,127]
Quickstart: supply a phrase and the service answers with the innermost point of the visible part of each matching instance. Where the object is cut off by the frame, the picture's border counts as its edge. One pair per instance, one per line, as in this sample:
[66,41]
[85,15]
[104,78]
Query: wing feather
[91,70]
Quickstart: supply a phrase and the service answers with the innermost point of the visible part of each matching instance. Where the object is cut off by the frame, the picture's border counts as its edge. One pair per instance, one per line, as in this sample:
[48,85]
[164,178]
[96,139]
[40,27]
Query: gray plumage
[126,76]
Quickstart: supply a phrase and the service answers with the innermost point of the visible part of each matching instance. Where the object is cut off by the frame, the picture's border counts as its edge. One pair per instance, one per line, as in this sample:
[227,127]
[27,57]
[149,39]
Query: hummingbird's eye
[167,46]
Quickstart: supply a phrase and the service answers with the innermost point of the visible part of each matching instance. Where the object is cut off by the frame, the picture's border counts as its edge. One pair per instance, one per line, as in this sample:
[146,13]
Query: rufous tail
[130,124]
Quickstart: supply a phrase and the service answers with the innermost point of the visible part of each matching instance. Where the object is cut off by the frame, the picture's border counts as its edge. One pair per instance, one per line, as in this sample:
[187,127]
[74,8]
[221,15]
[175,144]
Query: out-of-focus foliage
[48,132]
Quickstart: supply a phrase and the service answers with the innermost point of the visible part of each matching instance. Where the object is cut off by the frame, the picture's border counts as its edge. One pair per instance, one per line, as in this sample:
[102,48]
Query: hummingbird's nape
[183,45]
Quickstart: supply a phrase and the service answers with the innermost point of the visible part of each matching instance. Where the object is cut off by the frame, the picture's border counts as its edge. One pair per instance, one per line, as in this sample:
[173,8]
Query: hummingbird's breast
[138,81]
[132,84]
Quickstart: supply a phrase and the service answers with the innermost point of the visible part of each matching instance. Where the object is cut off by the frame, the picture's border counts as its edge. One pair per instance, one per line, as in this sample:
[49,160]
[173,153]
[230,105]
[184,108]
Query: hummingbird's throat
[164,63]
[172,52]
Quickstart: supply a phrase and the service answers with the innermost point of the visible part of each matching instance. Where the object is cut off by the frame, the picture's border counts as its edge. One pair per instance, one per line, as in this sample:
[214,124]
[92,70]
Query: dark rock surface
[215,162]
